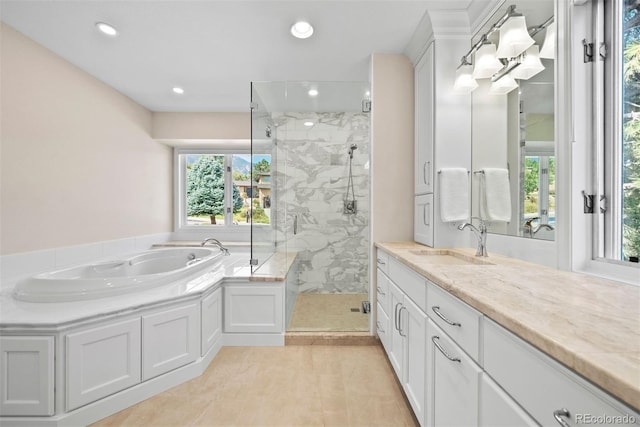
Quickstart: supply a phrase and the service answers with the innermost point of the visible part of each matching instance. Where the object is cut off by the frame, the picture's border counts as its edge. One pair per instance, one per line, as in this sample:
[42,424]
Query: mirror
[515,133]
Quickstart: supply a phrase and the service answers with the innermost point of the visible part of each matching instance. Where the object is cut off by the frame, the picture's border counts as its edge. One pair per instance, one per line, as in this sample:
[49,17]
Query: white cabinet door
[498,409]
[413,324]
[253,308]
[102,361]
[423,219]
[27,381]
[171,339]
[211,320]
[395,352]
[456,380]
[424,119]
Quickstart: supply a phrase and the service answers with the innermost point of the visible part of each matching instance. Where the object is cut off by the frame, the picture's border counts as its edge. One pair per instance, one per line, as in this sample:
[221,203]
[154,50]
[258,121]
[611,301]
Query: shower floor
[329,312]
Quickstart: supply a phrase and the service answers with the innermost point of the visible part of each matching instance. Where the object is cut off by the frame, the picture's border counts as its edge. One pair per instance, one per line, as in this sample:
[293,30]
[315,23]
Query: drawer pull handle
[436,310]
[442,350]
[400,321]
[380,290]
[380,261]
[395,317]
[559,416]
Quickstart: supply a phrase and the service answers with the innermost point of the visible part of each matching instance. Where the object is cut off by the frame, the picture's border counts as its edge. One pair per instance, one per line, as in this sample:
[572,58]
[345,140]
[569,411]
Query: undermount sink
[446,257]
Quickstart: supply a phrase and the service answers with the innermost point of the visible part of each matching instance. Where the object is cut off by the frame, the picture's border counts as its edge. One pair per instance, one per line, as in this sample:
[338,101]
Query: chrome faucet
[535,230]
[217,243]
[480,233]
[528,226]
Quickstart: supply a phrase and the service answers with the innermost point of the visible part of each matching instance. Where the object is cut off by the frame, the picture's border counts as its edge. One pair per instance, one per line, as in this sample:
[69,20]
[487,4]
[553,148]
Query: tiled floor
[281,386]
[329,312]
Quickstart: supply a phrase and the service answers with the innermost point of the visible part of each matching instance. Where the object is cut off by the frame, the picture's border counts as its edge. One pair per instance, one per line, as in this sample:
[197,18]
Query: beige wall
[201,126]
[392,148]
[78,164]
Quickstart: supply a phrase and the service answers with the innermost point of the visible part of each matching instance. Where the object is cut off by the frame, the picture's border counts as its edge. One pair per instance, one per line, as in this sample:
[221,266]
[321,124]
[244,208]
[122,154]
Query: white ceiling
[215,48]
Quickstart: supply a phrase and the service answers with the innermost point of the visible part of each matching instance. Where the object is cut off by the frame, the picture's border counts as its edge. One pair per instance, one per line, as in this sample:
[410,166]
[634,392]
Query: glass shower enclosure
[310,174]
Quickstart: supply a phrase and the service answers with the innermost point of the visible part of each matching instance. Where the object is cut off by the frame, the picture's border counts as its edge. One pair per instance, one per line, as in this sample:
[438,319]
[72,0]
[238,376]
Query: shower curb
[330,338]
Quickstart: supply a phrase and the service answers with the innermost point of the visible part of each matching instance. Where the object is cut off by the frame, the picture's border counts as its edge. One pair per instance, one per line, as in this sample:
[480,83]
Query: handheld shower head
[352,149]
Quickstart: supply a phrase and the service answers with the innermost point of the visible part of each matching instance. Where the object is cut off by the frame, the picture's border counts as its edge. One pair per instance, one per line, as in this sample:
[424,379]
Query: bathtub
[136,272]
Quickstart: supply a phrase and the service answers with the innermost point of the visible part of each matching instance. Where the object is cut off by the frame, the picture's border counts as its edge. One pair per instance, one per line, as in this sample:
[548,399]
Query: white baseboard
[257,340]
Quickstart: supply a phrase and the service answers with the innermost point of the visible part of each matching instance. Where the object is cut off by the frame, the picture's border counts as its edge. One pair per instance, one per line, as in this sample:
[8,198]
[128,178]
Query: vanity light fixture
[313,92]
[107,29]
[548,50]
[487,63]
[503,85]
[508,57]
[465,83]
[530,65]
[514,37]
[302,30]
[178,90]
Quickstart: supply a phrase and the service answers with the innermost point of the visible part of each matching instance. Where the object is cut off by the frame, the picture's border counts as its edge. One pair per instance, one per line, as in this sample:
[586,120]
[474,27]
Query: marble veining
[590,324]
[311,177]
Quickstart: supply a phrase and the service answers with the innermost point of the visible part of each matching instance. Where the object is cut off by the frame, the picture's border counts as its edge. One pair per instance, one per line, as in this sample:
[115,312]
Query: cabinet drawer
[541,385]
[382,291]
[498,409]
[460,321]
[382,260]
[409,282]
[382,326]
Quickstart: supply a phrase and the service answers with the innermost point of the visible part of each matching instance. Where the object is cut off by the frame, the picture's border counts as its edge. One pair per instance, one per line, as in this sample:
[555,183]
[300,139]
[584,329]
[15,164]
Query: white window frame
[598,235]
[227,231]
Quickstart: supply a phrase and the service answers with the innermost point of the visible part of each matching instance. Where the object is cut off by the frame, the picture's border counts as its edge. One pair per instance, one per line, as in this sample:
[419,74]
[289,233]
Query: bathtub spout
[217,243]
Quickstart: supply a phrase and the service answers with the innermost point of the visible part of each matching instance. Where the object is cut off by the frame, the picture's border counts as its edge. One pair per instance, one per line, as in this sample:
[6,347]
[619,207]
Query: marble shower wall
[311,173]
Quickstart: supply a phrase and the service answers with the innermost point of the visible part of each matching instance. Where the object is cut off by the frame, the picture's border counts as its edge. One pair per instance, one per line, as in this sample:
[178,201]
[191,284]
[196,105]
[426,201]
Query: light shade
[486,62]
[548,50]
[465,83]
[107,29]
[302,30]
[503,86]
[530,65]
[514,38]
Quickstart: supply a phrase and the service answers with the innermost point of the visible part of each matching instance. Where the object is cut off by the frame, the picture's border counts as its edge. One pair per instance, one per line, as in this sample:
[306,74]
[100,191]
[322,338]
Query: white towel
[454,194]
[495,203]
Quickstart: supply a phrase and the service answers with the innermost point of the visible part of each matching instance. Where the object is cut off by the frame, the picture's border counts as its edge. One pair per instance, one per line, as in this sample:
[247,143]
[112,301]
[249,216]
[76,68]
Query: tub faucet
[540,226]
[217,243]
[481,235]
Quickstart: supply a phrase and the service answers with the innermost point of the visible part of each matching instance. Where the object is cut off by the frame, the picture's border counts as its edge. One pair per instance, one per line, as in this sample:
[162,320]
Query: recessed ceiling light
[178,90]
[107,29]
[301,30]
[308,124]
[313,92]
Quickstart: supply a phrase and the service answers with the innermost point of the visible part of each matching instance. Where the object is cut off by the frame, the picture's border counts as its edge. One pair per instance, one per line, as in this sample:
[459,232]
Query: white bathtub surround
[18,266]
[88,359]
[311,175]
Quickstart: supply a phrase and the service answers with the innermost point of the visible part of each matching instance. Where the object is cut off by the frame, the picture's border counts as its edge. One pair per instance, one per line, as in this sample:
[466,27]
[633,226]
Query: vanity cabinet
[498,409]
[423,219]
[383,298]
[424,118]
[406,344]
[170,339]
[101,361]
[455,382]
[548,391]
[27,375]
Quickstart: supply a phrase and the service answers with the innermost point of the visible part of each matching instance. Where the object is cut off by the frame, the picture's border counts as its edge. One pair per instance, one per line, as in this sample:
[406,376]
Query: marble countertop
[589,324]
[16,314]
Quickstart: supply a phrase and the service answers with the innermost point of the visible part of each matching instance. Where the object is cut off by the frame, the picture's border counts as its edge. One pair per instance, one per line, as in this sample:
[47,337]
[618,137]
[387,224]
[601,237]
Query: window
[222,189]
[618,177]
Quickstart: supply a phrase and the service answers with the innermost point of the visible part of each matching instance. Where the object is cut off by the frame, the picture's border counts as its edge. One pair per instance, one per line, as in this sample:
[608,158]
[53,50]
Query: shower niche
[319,149]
